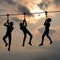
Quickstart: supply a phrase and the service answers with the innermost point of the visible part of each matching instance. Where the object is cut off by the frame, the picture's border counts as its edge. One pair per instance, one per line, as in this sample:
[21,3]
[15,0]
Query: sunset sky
[35,26]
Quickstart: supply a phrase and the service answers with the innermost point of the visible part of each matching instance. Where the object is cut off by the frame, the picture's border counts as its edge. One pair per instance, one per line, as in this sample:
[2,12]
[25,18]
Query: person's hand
[24,19]
[7,21]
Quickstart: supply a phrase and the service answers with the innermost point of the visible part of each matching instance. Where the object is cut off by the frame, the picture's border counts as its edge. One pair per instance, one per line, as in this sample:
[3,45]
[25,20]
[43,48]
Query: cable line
[31,13]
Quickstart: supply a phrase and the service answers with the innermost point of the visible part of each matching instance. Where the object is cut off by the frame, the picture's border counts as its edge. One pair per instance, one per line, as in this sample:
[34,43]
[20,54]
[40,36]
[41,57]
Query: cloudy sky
[35,26]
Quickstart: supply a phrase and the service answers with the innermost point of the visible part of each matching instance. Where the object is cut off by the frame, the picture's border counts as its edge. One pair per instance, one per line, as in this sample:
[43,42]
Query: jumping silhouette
[23,27]
[10,28]
[47,25]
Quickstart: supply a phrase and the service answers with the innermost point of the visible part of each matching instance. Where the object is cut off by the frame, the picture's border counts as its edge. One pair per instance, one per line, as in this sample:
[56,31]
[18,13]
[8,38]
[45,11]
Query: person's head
[48,19]
[11,23]
[21,24]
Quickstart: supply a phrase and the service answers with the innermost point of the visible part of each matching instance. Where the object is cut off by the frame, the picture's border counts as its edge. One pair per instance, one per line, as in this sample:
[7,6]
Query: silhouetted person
[25,32]
[47,25]
[10,28]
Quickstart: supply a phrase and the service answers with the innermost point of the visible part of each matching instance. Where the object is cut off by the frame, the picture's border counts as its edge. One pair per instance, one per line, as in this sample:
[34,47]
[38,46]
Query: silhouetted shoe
[51,42]
[41,45]
[6,45]
[30,44]
[8,49]
[23,45]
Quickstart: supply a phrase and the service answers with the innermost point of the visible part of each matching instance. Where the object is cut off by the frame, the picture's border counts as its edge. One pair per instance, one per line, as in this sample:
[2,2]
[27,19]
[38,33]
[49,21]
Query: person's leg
[9,42]
[30,37]
[5,40]
[49,39]
[42,39]
[24,40]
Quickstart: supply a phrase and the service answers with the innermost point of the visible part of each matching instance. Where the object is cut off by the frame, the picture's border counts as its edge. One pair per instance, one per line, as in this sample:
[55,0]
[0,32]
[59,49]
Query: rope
[32,13]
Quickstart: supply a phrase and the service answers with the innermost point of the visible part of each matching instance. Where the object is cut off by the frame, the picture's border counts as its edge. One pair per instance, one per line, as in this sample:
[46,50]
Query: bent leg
[30,38]
[5,40]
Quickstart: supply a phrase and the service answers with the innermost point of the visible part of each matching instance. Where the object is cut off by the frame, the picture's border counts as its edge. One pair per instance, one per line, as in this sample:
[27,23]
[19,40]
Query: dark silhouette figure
[47,25]
[25,32]
[10,28]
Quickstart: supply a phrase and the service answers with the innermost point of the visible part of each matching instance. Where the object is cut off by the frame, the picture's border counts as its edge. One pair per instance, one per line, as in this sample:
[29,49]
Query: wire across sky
[24,13]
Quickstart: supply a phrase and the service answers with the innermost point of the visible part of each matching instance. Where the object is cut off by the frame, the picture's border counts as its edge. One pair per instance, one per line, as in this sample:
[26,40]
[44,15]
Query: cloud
[22,9]
[35,52]
[44,4]
[49,4]
[57,2]
[10,2]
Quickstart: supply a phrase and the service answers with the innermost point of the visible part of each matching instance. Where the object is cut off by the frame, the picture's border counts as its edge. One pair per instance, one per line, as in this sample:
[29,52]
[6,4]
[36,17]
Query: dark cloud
[23,9]
[57,2]
[10,2]
[44,4]
[1,1]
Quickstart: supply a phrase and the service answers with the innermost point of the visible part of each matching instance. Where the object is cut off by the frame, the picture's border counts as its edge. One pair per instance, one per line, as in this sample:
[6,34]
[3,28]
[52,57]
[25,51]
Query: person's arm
[7,23]
[45,22]
[24,23]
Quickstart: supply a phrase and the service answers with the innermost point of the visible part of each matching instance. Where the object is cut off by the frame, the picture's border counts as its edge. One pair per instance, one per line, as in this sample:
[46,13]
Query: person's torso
[9,29]
[47,25]
[23,28]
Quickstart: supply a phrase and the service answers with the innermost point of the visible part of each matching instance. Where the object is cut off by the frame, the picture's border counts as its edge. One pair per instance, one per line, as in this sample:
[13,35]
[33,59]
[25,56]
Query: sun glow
[38,16]
[36,9]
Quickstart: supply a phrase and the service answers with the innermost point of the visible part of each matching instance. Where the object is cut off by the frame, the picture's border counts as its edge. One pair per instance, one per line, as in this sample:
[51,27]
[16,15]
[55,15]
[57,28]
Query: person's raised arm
[7,23]
[45,22]
[24,23]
